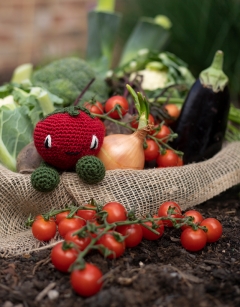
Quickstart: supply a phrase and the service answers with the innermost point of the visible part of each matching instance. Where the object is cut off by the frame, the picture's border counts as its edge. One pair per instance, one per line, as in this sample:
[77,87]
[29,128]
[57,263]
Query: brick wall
[38,30]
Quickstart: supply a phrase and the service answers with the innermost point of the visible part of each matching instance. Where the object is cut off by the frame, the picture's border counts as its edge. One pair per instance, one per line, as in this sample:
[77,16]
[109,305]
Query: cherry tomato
[133,233]
[134,122]
[81,242]
[197,217]
[173,111]
[163,134]
[63,256]
[44,230]
[148,234]
[94,107]
[61,216]
[68,224]
[110,242]
[163,211]
[180,161]
[87,214]
[151,151]
[87,281]
[116,212]
[168,159]
[112,102]
[193,240]
[214,229]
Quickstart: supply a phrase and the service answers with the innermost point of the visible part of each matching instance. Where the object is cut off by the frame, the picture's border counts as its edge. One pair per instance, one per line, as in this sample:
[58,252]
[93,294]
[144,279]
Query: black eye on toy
[48,141]
[94,143]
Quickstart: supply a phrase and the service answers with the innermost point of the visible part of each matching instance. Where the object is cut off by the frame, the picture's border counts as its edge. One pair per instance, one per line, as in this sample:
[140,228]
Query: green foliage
[67,77]
[199,29]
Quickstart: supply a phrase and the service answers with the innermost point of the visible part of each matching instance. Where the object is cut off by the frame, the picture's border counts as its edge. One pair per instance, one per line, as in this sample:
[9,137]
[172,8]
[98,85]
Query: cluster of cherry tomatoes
[117,106]
[111,229]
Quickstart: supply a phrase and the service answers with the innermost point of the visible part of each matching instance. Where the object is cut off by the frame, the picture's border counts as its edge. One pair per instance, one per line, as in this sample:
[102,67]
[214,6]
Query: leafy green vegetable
[103,26]
[149,33]
[67,77]
[16,131]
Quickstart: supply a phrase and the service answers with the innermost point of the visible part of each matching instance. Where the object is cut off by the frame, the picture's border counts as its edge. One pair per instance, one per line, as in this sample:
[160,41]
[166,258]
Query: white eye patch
[48,141]
[94,143]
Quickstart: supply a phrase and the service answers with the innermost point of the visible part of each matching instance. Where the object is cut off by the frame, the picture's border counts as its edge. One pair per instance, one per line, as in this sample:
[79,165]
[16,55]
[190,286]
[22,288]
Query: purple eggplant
[202,123]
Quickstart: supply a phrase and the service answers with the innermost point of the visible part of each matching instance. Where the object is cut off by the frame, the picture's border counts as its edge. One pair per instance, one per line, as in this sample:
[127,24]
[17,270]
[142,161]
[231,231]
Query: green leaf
[102,34]
[16,132]
[147,34]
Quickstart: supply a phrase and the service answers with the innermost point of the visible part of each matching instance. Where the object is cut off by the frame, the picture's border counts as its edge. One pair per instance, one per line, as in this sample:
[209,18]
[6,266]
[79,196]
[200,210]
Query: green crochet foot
[90,169]
[45,179]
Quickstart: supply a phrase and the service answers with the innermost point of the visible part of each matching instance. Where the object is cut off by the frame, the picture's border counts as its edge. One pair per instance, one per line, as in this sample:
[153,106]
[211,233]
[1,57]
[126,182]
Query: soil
[155,273]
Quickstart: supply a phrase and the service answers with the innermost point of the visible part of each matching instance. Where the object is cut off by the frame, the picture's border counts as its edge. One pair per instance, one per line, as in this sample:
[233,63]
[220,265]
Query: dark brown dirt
[159,273]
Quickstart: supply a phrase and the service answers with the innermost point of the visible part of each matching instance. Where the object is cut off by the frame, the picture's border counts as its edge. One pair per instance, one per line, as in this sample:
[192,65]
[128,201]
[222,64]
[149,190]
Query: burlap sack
[144,190]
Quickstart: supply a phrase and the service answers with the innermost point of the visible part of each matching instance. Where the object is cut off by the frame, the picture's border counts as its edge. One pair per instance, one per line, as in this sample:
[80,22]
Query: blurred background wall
[40,30]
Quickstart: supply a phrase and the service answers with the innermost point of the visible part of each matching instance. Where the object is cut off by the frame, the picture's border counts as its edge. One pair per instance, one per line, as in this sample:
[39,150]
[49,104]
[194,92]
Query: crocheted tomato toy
[68,139]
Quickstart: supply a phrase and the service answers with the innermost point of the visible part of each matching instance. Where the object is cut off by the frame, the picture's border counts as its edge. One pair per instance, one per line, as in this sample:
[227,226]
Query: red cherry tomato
[173,111]
[44,230]
[151,151]
[114,101]
[63,257]
[94,107]
[116,212]
[134,122]
[61,216]
[163,211]
[68,224]
[133,233]
[148,234]
[214,227]
[168,159]
[163,134]
[180,161]
[87,281]
[81,242]
[197,217]
[193,240]
[110,242]
[87,214]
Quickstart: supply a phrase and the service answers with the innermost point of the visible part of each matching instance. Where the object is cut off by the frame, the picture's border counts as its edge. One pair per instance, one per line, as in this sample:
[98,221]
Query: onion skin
[122,151]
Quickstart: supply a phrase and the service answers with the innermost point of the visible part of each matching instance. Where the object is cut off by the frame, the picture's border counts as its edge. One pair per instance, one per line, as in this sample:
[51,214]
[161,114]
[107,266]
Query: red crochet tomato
[62,139]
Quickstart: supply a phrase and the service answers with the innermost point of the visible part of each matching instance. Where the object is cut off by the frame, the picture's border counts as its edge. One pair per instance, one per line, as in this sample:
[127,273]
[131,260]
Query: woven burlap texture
[143,190]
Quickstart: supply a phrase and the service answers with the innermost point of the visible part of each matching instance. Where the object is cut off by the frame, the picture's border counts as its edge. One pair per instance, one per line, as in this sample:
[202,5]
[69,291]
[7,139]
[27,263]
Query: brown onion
[122,151]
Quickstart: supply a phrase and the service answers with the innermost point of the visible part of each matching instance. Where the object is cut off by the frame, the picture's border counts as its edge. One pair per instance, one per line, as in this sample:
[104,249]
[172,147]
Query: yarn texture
[90,169]
[45,179]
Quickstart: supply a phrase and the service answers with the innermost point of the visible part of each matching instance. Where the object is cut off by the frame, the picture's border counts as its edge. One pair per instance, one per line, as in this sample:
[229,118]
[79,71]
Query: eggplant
[202,123]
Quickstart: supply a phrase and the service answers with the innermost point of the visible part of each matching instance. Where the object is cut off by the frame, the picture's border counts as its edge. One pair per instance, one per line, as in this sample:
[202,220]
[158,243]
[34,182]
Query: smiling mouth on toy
[72,153]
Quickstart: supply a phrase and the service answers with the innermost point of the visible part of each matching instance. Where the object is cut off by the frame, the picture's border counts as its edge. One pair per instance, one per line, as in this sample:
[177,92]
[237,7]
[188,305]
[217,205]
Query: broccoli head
[67,77]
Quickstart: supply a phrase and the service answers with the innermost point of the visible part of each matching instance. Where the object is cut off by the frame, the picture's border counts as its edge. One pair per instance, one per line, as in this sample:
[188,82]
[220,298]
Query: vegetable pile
[109,229]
